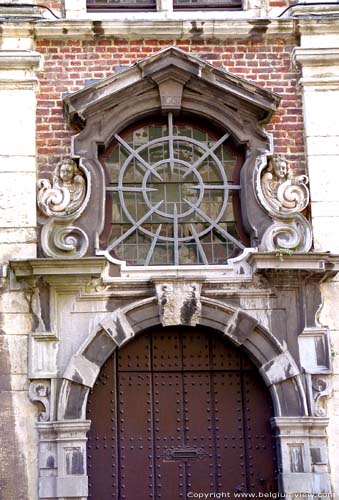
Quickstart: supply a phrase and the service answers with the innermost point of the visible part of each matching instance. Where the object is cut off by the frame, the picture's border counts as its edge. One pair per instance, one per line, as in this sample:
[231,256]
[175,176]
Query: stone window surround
[169,80]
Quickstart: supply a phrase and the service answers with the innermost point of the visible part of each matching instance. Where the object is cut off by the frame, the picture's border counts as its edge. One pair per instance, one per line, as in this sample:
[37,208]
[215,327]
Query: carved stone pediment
[181,69]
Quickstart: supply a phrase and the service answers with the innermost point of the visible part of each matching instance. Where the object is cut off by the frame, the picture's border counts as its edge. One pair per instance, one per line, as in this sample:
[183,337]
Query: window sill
[177,15]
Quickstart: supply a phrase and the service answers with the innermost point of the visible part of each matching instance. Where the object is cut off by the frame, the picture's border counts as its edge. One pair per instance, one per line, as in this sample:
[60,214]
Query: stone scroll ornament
[62,201]
[285,196]
[39,392]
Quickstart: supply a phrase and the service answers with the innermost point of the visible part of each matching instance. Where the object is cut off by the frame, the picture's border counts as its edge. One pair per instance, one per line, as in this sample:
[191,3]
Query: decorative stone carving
[284,192]
[293,234]
[39,392]
[63,200]
[60,240]
[284,196]
[179,302]
[65,195]
[319,389]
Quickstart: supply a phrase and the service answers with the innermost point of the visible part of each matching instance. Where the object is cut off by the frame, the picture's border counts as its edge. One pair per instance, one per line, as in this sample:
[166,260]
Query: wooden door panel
[135,435]
[168,434]
[179,410]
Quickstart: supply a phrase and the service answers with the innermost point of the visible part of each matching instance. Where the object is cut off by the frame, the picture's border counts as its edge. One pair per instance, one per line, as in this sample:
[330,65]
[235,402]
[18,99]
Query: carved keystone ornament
[179,302]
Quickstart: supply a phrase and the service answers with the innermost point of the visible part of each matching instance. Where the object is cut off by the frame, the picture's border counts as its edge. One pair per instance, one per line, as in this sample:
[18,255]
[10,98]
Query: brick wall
[55,5]
[68,64]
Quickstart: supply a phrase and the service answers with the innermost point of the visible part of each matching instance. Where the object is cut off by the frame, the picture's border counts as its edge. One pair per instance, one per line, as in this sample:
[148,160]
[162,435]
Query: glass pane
[196,4]
[121,4]
[169,197]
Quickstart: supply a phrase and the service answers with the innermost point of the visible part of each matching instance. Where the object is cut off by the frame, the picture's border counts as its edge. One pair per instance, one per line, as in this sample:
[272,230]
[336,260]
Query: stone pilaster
[318,56]
[17,153]
[303,456]
[62,460]
[320,87]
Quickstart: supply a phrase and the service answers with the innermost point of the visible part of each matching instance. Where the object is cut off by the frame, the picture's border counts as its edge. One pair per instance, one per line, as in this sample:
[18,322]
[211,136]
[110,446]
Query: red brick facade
[67,64]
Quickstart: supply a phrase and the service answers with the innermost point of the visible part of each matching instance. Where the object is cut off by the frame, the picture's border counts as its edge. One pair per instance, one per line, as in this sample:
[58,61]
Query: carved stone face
[67,171]
[280,168]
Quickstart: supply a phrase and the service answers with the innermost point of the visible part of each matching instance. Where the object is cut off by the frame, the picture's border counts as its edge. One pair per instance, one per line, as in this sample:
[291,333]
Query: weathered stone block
[18,122]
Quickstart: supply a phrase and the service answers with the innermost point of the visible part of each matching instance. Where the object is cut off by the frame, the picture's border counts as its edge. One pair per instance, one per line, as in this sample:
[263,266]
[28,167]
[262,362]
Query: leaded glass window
[206,4]
[172,195]
[135,5]
[93,5]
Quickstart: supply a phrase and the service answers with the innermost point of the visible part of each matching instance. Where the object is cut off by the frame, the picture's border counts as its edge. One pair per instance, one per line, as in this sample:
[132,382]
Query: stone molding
[166,29]
[313,56]
[17,69]
[68,273]
[319,67]
[19,59]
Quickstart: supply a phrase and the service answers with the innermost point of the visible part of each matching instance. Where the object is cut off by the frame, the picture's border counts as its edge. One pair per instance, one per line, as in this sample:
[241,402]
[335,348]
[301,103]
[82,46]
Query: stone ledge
[164,29]
[19,59]
[317,262]
[84,267]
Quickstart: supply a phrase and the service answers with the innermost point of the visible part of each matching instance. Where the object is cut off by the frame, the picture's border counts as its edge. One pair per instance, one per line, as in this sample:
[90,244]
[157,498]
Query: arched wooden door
[179,411]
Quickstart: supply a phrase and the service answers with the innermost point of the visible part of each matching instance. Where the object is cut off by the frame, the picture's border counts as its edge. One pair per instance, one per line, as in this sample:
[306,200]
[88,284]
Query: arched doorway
[179,411]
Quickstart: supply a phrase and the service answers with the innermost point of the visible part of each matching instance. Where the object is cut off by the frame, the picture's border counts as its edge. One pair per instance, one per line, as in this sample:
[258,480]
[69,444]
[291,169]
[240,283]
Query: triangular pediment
[170,74]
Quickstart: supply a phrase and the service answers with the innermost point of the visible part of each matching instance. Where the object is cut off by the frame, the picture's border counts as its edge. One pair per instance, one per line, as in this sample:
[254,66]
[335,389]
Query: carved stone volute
[284,196]
[65,194]
[62,200]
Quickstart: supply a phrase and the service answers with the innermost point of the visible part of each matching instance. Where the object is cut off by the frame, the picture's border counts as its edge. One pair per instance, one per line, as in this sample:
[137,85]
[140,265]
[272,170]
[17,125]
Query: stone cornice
[63,29]
[310,56]
[322,264]
[319,25]
[172,29]
[91,267]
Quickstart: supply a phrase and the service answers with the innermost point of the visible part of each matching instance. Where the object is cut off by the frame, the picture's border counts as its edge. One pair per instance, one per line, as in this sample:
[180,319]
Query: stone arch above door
[274,362]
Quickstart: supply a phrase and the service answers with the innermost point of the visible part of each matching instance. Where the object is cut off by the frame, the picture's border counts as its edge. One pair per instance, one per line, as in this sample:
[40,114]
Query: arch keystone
[179,301]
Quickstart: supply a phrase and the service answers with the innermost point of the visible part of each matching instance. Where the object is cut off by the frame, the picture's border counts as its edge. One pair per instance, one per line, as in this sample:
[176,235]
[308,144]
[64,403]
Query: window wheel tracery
[171,195]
